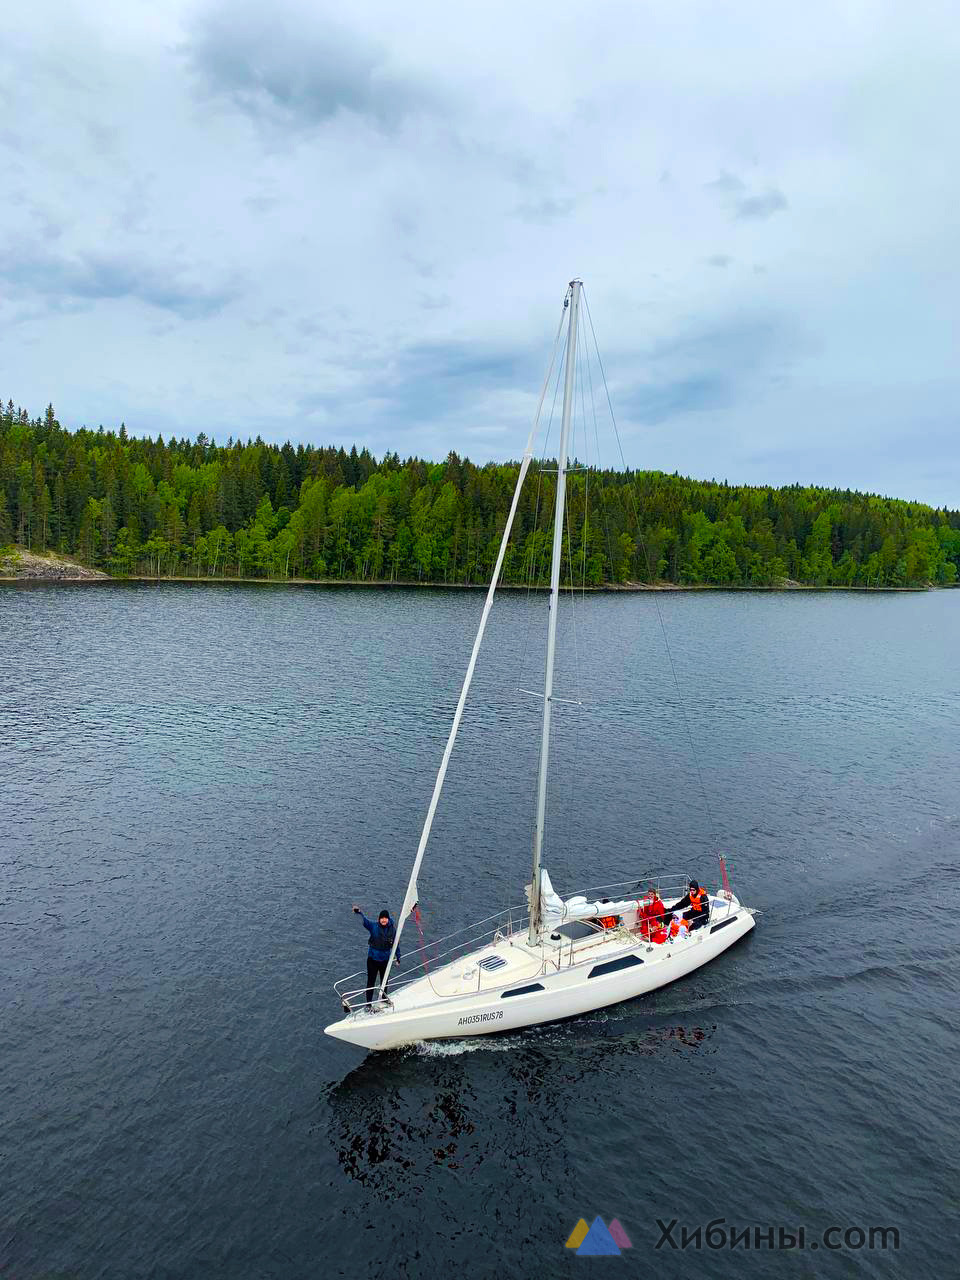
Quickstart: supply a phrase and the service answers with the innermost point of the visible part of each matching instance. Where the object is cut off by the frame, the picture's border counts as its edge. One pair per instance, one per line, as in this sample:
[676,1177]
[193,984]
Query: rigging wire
[537,553]
[708,808]
[568,522]
[569,803]
[535,427]
[596,435]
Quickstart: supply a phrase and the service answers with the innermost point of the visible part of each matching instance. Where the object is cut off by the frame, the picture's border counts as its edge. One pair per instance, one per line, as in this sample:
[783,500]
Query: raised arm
[367,924]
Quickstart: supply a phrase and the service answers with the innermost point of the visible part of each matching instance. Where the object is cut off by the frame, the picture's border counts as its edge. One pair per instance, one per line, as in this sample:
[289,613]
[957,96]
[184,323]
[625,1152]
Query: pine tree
[6,532]
[58,512]
[108,528]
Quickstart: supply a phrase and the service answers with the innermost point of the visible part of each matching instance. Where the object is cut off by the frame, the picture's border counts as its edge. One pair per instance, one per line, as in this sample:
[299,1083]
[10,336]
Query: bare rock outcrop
[25,566]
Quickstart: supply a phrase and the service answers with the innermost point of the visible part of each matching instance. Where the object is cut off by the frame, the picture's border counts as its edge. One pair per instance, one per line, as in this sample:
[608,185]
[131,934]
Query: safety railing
[419,960]
[670,884]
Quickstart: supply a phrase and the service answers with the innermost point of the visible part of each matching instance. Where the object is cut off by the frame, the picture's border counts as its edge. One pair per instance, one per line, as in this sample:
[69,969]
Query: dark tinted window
[611,966]
[723,924]
[576,929]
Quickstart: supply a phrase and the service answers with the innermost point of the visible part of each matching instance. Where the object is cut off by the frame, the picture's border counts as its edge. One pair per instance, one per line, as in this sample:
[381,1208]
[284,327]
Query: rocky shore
[26,566]
[18,565]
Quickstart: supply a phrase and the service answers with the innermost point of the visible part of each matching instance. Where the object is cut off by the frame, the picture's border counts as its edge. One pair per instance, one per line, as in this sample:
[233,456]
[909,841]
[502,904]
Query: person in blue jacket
[382,934]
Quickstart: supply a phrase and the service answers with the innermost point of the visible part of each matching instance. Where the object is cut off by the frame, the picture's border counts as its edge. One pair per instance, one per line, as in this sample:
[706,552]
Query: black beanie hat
[384,912]
[694,884]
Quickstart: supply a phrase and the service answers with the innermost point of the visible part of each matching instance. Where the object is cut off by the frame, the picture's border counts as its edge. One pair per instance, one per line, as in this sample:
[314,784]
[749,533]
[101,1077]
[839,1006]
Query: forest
[192,508]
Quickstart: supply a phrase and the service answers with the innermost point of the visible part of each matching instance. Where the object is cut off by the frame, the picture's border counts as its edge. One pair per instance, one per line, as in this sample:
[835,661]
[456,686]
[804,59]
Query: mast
[569,371]
[412,894]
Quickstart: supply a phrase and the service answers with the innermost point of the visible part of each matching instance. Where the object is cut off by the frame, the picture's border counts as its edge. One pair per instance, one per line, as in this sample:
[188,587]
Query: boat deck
[508,961]
[505,959]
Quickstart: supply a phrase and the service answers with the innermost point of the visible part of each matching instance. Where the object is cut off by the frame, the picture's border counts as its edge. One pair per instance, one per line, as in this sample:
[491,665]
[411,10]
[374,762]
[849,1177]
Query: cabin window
[612,966]
[522,991]
[723,924]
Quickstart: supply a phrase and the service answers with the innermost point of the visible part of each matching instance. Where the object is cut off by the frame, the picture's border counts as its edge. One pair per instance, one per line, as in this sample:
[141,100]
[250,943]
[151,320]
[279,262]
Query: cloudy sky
[355,224]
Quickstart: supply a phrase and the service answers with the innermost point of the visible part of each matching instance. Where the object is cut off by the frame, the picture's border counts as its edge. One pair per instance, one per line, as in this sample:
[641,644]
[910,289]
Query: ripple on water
[198,784]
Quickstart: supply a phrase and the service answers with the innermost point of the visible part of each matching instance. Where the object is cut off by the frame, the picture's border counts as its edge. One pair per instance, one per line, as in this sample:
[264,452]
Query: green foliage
[6,530]
[141,506]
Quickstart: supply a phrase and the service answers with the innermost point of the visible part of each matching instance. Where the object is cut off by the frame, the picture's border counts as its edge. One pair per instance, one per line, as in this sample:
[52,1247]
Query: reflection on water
[422,1100]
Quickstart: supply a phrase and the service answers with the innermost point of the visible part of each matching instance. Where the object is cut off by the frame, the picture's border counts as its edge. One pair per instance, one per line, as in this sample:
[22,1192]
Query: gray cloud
[433,397]
[340,223]
[11,140]
[546,209]
[761,206]
[650,405]
[734,193]
[709,367]
[433,301]
[95,276]
[429,379]
[727,184]
[749,340]
[291,65]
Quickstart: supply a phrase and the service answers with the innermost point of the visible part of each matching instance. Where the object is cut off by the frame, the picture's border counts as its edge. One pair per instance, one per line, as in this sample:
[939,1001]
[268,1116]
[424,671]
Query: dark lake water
[195,784]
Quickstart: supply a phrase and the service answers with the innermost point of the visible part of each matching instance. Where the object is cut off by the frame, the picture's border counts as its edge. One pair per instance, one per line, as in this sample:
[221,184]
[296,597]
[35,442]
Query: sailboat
[549,958]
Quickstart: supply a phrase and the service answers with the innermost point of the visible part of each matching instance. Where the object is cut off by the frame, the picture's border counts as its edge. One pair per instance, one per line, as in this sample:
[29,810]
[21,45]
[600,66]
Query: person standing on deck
[382,935]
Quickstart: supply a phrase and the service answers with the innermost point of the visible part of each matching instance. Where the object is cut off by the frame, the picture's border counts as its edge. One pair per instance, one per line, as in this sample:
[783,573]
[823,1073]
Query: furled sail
[554,910]
[550,901]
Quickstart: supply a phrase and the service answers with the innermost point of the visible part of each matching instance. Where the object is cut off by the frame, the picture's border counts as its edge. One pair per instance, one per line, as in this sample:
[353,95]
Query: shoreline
[631,588]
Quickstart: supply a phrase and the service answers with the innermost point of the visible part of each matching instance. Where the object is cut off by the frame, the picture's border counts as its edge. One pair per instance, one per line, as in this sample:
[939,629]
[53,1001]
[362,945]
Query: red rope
[423,945]
[727,892]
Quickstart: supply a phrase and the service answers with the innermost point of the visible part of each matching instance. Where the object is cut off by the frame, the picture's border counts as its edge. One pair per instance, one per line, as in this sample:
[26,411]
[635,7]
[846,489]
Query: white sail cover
[550,901]
[554,910]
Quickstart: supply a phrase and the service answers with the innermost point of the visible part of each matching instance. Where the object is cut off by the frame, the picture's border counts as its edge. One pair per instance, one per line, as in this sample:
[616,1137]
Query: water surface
[195,785]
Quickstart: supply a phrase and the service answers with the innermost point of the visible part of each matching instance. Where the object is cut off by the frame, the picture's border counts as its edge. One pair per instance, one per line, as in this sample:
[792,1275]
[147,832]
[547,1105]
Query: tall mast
[412,894]
[570,370]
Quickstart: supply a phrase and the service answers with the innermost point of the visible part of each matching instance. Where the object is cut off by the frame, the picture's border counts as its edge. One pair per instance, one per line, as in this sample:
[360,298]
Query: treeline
[182,507]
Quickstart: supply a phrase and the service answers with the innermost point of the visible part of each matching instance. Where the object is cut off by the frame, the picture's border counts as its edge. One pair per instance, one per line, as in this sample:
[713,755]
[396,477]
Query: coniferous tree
[6,530]
[142,505]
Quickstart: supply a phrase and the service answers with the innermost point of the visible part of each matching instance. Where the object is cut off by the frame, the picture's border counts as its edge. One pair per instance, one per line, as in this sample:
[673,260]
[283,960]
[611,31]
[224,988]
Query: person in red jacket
[651,914]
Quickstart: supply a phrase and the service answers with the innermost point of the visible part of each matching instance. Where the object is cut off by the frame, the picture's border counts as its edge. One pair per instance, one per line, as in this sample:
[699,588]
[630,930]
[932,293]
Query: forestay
[411,897]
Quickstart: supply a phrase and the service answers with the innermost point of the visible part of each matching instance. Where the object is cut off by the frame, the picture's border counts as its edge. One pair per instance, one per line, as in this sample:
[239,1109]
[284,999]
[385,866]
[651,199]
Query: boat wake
[454,1048]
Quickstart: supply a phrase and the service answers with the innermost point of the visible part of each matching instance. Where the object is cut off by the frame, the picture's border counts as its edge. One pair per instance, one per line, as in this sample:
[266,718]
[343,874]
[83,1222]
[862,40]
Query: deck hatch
[576,929]
[489,963]
[612,966]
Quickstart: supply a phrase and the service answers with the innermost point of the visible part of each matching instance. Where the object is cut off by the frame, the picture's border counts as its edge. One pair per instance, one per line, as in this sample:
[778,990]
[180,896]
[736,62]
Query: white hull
[565,986]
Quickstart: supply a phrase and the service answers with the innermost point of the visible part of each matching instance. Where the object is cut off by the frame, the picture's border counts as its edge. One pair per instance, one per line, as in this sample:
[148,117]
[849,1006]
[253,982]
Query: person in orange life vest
[607,922]
[659,934]
[695,905]
[678,927]
[651,913]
